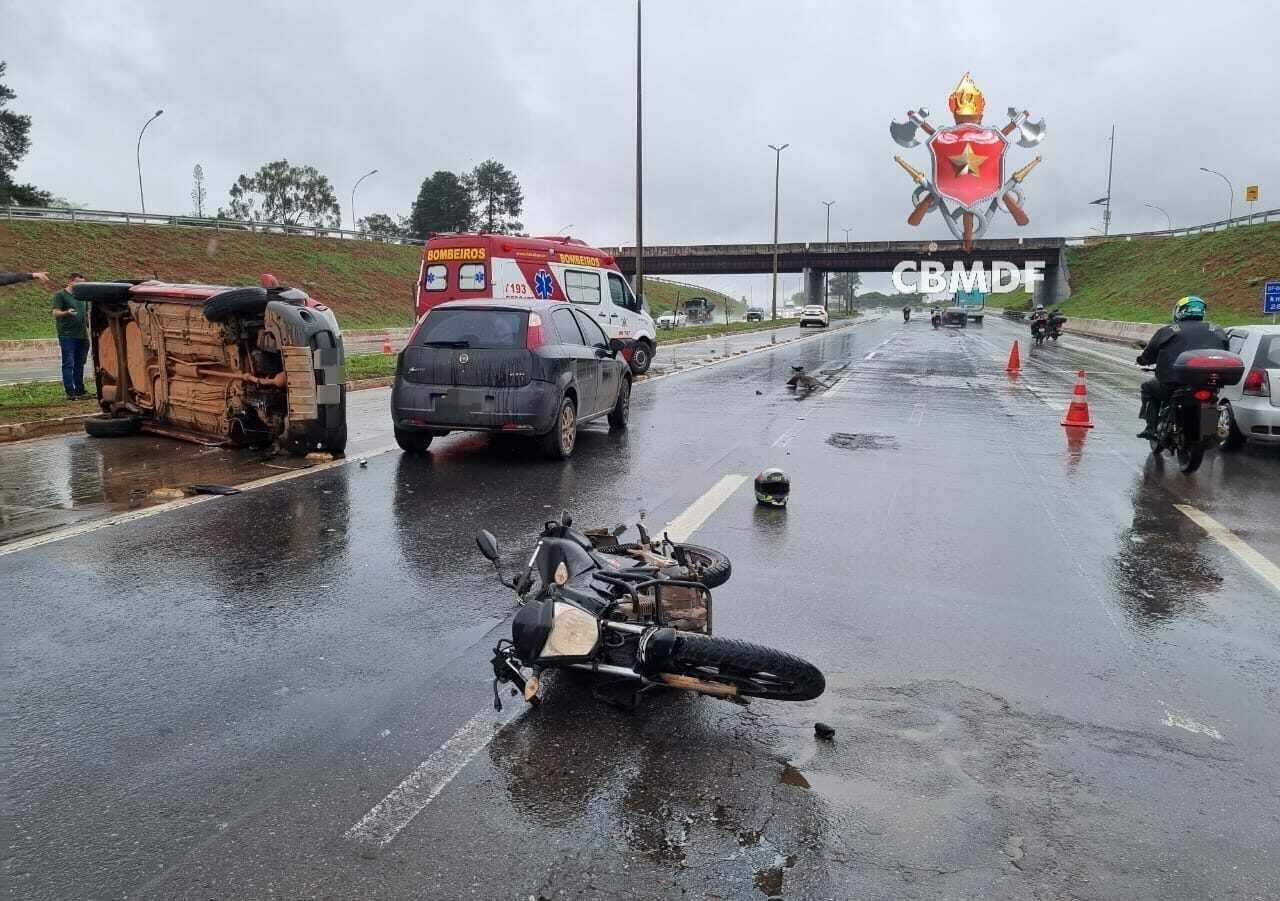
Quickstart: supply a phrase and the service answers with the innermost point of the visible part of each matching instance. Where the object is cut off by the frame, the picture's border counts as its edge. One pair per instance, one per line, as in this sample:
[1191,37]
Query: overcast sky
[548,89]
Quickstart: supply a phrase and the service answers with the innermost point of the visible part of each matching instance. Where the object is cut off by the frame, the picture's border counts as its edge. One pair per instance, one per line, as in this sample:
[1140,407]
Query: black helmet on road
[773,487]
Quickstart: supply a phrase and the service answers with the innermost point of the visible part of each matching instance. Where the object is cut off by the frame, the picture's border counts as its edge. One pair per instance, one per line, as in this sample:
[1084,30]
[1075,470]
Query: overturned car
[212,364]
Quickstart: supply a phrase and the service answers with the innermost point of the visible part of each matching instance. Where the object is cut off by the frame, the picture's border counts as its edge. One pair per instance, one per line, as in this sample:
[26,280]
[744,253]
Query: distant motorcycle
[1045,328]
[1189,419]
[936,319]
[636,616]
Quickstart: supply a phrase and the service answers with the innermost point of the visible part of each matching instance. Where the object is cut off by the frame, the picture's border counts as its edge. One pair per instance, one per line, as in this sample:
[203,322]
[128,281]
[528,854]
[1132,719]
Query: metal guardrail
[114,217]
[70,214]
[1248,219]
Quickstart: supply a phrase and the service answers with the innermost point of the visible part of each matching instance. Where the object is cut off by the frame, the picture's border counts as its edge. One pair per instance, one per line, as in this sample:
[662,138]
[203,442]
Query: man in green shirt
[72,317]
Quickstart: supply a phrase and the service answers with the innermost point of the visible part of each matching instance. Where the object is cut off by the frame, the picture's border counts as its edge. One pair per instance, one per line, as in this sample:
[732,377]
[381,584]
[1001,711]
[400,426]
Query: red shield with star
[968,163]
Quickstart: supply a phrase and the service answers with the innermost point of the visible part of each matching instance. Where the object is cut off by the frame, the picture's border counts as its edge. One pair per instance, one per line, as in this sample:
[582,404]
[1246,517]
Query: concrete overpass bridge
[816,260]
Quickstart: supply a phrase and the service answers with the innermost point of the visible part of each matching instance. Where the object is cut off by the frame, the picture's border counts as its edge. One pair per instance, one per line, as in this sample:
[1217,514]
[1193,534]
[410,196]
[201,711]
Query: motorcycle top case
[1208,368]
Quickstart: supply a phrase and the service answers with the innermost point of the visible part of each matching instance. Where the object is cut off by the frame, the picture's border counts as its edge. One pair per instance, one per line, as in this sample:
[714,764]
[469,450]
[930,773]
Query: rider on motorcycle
[1188,332]
[906,313]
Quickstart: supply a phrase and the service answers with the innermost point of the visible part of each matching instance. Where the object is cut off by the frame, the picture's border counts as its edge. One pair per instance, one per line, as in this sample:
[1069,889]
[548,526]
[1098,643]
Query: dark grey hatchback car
[536,368]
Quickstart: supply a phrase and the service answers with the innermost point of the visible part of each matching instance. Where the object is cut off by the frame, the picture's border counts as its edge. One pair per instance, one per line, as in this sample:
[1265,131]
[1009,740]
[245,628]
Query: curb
[42,428]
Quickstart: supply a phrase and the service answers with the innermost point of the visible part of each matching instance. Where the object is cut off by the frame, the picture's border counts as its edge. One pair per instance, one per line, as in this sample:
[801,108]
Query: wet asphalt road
[1047,682]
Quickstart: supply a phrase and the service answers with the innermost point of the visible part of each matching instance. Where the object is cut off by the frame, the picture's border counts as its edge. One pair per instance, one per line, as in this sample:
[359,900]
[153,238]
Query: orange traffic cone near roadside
[386,345]
[1015,361]
[1078,412]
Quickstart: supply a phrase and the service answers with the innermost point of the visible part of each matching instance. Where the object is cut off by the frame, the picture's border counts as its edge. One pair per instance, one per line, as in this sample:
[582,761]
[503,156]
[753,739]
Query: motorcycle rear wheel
[755,670]
[714,567]
[1189,458]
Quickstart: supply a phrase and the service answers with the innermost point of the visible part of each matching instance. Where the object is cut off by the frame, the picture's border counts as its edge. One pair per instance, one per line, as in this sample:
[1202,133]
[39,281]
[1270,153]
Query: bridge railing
[115,217]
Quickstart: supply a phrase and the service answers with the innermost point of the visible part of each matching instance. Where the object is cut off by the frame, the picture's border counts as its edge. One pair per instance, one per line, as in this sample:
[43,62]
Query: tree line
[488,197]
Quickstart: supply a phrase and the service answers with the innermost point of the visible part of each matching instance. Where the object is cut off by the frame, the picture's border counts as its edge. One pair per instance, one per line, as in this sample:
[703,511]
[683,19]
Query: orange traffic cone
[1015,361]
[386,345]
[1078,412]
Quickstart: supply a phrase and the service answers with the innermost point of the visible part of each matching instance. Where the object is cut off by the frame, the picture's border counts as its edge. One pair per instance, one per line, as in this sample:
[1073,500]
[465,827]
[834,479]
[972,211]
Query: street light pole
[825,275]
[777,172]
[141,197]
[564,230]
[1106,215]
[1231,193]
[1166,215]
[639,173]
[355,223]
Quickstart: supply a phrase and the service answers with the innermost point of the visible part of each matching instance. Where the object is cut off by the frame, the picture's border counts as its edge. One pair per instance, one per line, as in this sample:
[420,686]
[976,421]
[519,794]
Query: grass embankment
[29,401]
[1138,281]
[368,285]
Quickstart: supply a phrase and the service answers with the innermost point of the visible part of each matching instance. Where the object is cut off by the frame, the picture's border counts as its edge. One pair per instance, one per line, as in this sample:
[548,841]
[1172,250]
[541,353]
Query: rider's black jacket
[1166,344]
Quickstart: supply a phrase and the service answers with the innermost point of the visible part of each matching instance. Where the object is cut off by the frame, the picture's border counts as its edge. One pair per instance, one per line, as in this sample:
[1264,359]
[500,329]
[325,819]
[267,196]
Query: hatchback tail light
[535,335]
[1257,382]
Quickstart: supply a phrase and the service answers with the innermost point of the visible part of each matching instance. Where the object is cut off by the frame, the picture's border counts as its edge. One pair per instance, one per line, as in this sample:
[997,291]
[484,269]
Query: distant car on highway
[217,365]
[1250,409]
[672,319]
[955,317]
[531,368]
[814,314]
[755,314]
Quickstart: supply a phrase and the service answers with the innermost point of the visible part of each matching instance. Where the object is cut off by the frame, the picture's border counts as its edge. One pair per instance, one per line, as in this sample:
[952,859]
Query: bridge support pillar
[813,280]
[1056,286]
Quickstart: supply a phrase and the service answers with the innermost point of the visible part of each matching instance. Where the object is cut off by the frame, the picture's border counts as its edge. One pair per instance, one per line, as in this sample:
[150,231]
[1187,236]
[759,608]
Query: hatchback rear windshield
[1268,352]
[473,328]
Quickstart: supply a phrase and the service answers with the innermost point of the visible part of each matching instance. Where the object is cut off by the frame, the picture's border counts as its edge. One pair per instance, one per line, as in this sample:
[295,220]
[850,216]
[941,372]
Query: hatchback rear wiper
[446,343]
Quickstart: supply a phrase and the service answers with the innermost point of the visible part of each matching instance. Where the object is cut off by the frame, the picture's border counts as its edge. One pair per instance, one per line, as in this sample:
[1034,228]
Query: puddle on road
[792,776]
[855,441]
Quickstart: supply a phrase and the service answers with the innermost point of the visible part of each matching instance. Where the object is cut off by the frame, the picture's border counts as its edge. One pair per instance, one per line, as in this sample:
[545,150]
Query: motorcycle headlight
[574,633]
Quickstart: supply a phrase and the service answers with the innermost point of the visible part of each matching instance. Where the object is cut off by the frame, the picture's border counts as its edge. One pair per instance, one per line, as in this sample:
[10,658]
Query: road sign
[1251,193]
[1271,298]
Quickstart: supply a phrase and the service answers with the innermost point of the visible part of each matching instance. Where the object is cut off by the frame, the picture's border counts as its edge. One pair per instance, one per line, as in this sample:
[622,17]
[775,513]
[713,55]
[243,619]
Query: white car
[1251,409]
[814,315]
[672,319]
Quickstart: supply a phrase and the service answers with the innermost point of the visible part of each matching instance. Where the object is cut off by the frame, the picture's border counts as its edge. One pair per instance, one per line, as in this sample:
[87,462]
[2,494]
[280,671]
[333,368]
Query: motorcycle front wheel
[756,671]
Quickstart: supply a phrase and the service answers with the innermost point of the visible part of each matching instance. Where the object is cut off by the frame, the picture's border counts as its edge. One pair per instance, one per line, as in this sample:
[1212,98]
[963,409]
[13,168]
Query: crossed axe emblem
[960,221]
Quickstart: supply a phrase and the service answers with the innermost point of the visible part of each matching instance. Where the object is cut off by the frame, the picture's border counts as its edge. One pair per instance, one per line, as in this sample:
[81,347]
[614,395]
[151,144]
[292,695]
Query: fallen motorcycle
[1189,419]
[636,616]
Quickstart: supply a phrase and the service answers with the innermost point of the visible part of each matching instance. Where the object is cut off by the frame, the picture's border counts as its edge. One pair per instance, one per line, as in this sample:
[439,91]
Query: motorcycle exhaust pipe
[671,680]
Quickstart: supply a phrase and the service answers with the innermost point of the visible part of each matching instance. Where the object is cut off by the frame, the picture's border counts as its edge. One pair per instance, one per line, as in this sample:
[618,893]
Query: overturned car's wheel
[112,427]
[235,302]
[102,292]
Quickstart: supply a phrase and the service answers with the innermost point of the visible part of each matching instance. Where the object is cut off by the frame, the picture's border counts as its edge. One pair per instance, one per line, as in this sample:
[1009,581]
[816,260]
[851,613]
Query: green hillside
[1139,280]
[368,285]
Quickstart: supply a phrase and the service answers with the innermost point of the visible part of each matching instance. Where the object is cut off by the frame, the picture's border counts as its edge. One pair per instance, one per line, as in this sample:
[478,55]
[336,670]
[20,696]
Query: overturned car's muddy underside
[235,366]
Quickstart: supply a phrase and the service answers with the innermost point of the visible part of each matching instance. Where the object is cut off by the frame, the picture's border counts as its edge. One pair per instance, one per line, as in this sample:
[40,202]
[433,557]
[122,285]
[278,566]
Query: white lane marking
[917,416]
[870,355]
[693,367]
[388,817]
[697,513]
[1051,404]
[1178,721]
[132,515]
[1267,570]
[408,799]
